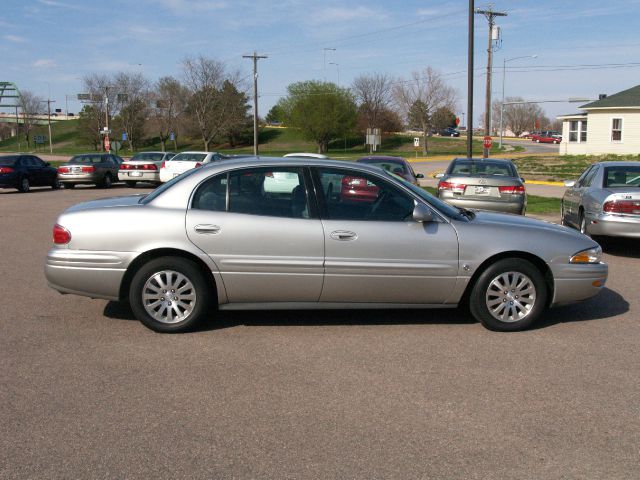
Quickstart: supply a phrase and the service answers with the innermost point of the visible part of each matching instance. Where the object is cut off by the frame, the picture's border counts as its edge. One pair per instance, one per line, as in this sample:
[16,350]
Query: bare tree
[373,95]
[30,104]
[168,105]
[131,104]
[205,77]
[519,117]
[419,98]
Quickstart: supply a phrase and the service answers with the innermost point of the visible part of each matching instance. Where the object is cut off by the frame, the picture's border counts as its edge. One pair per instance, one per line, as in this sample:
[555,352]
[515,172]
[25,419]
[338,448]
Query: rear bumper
[88,273]
[615,226]
[576,282]
[139,176]
[78,178]
[495,206]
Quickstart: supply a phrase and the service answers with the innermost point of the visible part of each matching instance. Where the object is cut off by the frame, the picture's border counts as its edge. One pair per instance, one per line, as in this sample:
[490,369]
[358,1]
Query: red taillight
[162,166]
[198,165]
[454,187]
[125,166]
[64,169]
[269,174]
[353,181]
[149,166]
[88,169]
[625,207]
[512,189]
[6,169]
[61,235]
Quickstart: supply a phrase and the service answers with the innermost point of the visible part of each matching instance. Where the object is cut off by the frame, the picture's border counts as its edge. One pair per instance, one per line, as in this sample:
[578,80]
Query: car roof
[619,164]
[499,160]
[382,157]
[196,151]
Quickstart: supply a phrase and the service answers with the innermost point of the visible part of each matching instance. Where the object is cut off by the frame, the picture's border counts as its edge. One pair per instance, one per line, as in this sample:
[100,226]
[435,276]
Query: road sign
[39,139]
[124,136]
[172,136]
[107,143]
[457,121]
[416,142]
[487,142]
[116,145]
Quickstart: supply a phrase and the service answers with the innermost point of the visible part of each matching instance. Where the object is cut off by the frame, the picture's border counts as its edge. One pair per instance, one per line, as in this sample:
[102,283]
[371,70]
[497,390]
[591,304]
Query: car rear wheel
[131,184]
[55,185]
[170,295]
[106,181]
[24,185]
[69,186]
[510,295]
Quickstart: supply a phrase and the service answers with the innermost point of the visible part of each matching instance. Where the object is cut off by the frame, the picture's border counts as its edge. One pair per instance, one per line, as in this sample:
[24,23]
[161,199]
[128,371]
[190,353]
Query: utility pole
[49,121]
[324,63]
[470,82]
[255,58]
[490,15]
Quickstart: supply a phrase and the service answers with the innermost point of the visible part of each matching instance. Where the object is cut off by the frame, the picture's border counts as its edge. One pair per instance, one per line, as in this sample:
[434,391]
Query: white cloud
[44,63]
[14,39]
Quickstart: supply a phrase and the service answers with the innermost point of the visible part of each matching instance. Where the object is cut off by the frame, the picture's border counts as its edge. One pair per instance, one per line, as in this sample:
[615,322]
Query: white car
[143,167]
[186,161]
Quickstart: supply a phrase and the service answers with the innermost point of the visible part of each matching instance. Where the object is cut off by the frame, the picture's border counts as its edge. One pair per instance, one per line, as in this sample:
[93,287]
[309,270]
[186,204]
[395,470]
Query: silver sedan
[224,236]
[605,200]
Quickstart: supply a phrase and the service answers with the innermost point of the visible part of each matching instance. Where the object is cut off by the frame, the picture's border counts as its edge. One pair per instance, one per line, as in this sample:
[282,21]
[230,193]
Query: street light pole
[504,69]
[470,81]
[337,69]
[324,63]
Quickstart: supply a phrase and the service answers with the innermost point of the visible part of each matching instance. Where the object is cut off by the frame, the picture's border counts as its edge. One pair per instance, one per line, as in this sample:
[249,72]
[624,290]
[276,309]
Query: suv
[100,169]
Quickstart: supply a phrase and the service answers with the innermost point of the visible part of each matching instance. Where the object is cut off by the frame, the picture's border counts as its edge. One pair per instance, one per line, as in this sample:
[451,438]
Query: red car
[548,139]
[357,189]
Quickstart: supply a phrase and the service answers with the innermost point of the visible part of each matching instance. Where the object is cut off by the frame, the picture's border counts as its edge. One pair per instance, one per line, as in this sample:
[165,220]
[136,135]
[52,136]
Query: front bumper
[615,225]
[574,282]
[88,273]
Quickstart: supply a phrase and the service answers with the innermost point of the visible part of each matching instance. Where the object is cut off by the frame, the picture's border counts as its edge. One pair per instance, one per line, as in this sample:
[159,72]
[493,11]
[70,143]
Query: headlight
[591,255]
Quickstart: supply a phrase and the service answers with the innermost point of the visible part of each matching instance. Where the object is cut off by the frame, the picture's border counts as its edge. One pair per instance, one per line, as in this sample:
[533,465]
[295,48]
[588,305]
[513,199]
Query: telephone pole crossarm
[255,58]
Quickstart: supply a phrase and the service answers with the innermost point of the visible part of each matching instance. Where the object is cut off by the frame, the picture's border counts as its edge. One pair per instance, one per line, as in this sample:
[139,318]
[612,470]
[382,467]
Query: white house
[610,125]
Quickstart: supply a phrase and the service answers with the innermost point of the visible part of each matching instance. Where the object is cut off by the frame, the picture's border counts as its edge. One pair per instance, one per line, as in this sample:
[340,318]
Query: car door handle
[207,229]
[343,235]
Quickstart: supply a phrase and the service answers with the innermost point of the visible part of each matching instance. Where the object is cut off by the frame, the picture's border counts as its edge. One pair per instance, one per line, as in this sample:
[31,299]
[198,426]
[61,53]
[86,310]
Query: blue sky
[583,47]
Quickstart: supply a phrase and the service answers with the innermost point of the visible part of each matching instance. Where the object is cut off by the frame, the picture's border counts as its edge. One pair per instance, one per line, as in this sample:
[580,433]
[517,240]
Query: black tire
[194,310]
[55,185]
[518,316]
[106,181]
[131,184]
[24,186]
[69,186]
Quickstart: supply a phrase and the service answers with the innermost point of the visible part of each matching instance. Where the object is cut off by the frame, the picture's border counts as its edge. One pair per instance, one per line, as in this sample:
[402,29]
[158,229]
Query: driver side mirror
[419,175]
[569,183]
[439,175]
[422,213]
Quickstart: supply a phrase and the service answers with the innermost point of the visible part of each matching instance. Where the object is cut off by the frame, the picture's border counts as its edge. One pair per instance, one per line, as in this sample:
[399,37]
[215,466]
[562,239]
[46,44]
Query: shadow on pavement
[607,304]
[620,247]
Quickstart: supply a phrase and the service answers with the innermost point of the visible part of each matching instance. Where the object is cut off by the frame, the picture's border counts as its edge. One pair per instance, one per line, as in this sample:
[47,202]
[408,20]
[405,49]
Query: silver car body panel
[307,263]
[588,196]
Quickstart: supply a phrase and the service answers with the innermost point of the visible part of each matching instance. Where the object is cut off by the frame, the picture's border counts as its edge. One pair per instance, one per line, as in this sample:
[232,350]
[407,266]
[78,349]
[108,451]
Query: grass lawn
[562,167]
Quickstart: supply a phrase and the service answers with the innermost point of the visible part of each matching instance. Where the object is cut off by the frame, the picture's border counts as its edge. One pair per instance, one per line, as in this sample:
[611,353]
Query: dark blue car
[25,171]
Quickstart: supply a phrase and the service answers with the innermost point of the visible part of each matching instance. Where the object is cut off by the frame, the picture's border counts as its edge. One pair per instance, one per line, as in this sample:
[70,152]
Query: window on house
[616,130]
[573,130]
[583,131]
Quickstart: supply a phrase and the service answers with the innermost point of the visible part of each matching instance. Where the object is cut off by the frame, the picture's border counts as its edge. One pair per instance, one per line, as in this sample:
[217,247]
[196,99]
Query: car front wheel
[170,295]
[24,185]
[509,296]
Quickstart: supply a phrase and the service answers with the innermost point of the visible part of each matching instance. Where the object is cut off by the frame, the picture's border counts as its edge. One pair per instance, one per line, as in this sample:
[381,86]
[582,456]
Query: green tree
[443,118]
[89,125]
[321,110]
[275,115]
[235,105]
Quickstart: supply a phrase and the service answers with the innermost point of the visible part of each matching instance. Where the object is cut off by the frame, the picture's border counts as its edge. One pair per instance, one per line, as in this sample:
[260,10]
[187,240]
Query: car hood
[110,202]
[519,221]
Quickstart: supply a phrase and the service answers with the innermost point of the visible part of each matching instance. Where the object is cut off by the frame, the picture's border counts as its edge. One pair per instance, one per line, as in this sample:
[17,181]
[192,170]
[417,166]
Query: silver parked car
[100,169]
[143,167]
[221,236]
[605,200]
[485,184]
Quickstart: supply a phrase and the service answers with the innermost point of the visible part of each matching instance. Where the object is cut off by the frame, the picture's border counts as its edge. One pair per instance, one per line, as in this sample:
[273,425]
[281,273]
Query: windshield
[189,157]
[444,208]
[165,186]
[154,157]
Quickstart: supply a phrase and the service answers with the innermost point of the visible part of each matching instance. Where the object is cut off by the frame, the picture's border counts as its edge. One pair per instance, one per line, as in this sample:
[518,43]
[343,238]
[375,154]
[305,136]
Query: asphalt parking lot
[88,392]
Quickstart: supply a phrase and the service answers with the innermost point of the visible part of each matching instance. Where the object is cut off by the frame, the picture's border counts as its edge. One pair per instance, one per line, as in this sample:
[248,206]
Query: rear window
[86,159]
[625,176]
[189,157]
[393,166]
[153,157]
[8,161]
[465,167]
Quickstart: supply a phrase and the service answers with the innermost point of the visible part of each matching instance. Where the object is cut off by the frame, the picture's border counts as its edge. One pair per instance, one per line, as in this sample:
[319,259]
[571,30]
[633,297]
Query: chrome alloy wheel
[510,297]
[169,296]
